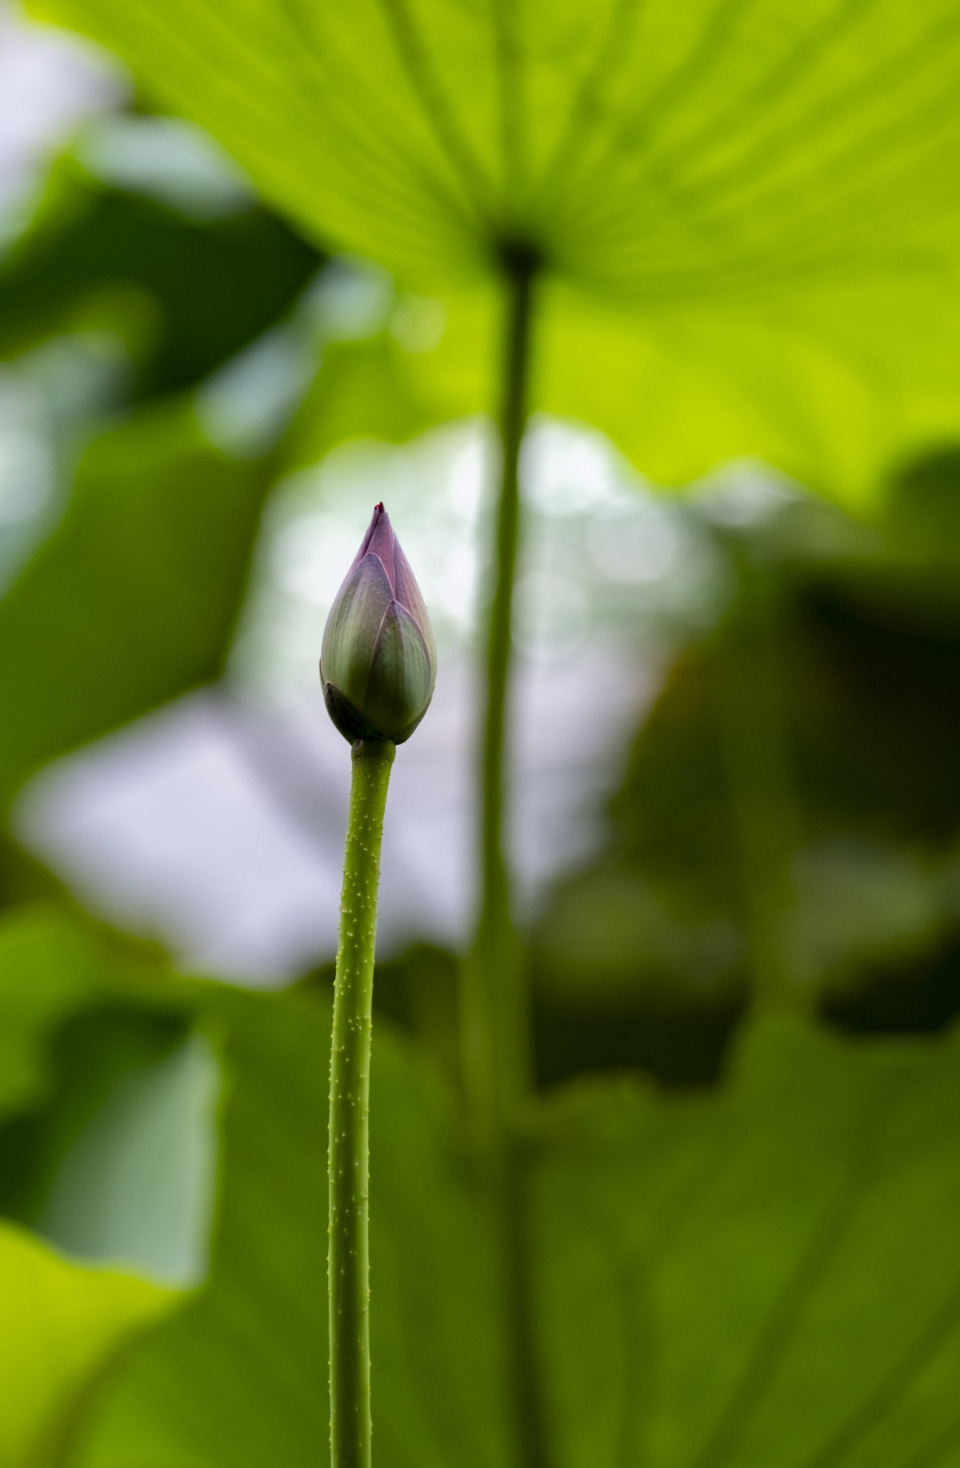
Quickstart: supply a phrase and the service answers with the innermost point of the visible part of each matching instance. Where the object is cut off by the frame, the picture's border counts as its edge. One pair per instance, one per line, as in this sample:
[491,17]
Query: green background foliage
[739,1205]
[705,1265]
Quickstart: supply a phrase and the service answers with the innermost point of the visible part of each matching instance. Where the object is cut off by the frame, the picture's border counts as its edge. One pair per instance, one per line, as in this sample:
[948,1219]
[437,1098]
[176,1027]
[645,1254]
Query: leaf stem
[755,751]
[348,1258]
[494,1004]
[494,1011]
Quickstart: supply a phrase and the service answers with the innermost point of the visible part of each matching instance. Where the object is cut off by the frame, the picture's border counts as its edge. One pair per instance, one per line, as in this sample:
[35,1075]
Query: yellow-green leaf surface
[749,213]
[62,1325]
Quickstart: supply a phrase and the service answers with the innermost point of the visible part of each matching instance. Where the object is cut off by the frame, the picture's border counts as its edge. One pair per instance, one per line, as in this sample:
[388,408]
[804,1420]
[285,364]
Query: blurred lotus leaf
[748,216]
[763,1272]
[184,294]
[66,1321]
[132,599]
[790,812]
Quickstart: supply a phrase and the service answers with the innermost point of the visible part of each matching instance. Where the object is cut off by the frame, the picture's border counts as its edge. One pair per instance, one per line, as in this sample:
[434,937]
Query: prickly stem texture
[348,1257]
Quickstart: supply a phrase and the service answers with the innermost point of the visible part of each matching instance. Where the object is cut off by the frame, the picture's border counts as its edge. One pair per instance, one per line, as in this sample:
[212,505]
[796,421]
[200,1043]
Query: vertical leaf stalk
[348,1258]
[494,1009]
[754,748]
[494,1003]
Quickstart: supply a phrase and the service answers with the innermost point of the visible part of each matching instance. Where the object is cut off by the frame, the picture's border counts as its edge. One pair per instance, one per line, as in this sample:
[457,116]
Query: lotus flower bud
[378,662]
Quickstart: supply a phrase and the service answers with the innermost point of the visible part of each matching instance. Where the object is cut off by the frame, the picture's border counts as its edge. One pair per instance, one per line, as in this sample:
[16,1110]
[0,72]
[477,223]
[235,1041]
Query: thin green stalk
[754,747]
[494,1006]
[494,1002]
[348,1259]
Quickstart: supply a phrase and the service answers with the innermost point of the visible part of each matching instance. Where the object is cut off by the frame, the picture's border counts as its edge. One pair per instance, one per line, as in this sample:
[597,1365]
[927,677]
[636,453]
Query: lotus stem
[349,1253]
[494,1002]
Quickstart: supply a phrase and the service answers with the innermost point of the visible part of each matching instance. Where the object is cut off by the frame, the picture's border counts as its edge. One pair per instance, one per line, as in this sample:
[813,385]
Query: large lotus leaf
[133,598]
[751,209]
[652,151]
[762,1273]
[833,384]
